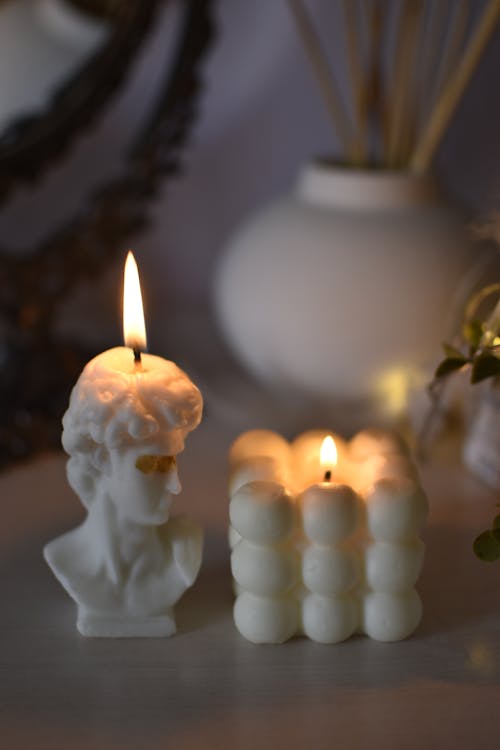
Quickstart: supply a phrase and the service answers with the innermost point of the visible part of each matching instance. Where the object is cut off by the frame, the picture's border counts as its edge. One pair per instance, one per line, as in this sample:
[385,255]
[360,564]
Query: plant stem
[493,325]
[478,298]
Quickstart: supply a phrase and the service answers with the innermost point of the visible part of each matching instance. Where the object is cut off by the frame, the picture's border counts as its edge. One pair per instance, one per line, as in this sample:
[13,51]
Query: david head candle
[129,562]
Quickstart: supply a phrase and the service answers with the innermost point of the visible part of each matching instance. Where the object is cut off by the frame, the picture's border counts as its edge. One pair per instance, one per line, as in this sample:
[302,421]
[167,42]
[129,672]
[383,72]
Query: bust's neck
[121,541]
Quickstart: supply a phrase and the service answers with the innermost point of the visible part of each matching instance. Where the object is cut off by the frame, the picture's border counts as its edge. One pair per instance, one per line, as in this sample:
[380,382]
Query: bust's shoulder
[75,563]
[184,538]
[65,550]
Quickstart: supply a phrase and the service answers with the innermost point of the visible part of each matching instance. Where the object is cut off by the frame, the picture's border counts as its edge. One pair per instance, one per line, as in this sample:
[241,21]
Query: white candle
[355,544]
[330,569]
[264,562]
[396,508]
[256,455]
[128,563]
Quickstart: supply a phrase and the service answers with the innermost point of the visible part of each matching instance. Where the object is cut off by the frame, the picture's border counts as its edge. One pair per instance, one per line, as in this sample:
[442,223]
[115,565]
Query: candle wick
[328,476]
[137,359]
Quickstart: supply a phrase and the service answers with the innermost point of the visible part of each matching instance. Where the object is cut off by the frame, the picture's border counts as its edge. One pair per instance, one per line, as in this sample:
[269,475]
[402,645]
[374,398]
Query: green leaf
[484,366]
[472,332]
[487,546]
[452,352]
[496,522]
[449,365]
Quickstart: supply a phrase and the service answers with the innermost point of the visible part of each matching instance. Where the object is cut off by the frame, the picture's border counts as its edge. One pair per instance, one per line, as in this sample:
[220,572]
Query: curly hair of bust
[110,409]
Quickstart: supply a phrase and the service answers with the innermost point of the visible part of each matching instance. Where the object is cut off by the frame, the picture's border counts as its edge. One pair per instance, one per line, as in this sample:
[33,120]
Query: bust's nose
[172,482]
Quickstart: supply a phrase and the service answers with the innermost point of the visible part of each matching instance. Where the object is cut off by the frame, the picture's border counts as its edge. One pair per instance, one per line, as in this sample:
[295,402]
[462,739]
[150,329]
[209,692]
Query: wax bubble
[329,619]
[266,619]
[262,512]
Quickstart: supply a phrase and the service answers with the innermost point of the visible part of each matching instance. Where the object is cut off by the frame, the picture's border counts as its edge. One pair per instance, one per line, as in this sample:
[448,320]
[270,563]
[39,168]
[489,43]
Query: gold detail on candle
[149,464]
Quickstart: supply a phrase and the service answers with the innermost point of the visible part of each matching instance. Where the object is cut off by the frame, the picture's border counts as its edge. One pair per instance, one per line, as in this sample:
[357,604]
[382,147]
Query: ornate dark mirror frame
[36,140]
[37,369]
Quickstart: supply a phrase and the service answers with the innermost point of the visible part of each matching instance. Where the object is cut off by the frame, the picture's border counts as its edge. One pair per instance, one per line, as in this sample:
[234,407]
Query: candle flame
[134,328]
[328,454]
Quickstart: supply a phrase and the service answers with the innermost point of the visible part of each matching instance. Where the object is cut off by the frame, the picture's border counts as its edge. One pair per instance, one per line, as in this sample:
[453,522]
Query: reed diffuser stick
[357,79]
[392,76]
[385,105]
[373,96]
[448,100]
[407,37]
[453,47]
[408,132]
[435,33]
[323,74]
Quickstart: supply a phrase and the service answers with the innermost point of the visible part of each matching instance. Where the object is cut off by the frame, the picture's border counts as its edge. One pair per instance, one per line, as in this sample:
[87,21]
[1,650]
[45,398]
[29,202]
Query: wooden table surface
[207,687]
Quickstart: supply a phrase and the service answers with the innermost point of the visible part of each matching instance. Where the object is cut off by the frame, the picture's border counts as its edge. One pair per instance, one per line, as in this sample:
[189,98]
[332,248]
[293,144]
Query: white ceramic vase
[341,289]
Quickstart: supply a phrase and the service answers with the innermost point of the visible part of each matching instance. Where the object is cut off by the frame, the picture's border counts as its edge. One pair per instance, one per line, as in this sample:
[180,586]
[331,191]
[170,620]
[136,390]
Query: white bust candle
[129,562]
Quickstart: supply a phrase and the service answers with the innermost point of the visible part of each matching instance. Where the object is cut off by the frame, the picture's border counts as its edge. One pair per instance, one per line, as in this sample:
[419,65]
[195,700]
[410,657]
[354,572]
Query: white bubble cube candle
[325,547]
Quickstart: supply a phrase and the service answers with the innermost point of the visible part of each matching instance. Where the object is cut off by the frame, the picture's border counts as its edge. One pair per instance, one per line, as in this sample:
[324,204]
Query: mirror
[73,55]
[55,91]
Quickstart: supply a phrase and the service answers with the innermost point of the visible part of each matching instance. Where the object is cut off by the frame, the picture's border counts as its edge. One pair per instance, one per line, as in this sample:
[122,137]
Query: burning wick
[134,329]
[328,457]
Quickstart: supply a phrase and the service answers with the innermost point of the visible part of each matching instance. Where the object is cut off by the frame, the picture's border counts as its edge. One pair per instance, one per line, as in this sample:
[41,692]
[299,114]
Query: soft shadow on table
[210,600]
[150,692]
[458,591]
[207,602]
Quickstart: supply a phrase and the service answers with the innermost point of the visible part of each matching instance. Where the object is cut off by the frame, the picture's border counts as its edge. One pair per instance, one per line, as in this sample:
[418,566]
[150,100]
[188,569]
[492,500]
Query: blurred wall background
[260,118]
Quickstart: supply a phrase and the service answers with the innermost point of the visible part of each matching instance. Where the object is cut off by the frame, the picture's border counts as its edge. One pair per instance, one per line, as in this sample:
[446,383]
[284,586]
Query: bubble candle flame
[134,328]
[328,457]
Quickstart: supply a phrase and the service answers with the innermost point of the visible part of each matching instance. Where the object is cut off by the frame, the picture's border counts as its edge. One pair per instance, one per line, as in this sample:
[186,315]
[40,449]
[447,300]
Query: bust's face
[142,483]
